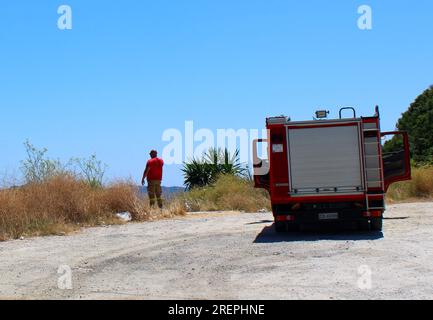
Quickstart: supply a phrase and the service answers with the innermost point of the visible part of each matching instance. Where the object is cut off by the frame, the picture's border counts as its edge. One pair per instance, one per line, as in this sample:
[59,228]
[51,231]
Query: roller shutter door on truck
[325,160]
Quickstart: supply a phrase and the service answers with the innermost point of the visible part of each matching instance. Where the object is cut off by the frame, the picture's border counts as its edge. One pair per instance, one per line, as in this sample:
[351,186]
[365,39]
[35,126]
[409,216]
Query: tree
[92,170]
[37,167]
[418,122]
[204,171]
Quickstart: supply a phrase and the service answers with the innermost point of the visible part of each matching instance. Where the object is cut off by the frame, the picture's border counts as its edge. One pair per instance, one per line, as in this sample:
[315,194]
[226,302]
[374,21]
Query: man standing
[153,173]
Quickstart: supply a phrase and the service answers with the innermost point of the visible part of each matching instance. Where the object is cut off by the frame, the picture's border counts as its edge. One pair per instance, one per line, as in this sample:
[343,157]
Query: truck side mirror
[261,167]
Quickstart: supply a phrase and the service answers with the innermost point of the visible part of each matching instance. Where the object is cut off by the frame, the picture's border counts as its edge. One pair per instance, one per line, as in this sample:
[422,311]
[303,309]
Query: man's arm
[146,171]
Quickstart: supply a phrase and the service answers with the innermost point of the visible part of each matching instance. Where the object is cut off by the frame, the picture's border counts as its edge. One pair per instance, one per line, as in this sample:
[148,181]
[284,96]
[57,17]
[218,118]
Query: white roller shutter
[325,160]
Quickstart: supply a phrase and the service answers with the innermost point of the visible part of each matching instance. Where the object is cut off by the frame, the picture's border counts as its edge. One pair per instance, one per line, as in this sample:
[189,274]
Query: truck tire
[292,227]
[364,225]
[376,224]
[280,226]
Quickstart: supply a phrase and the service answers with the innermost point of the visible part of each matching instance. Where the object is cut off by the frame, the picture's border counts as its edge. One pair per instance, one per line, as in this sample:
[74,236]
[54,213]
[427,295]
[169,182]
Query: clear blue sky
[128,70]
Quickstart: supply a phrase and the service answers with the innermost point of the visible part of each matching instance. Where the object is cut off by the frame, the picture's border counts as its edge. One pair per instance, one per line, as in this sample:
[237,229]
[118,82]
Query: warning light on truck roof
[321,114]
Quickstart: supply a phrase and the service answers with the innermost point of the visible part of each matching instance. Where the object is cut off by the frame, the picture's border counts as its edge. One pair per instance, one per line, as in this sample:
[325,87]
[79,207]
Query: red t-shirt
[155,169]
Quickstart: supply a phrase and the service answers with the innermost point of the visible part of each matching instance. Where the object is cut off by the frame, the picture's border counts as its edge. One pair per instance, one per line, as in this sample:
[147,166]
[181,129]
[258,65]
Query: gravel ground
[226,255]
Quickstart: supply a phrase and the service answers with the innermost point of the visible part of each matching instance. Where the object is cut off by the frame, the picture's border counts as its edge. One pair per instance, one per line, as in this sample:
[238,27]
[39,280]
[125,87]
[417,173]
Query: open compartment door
[261,167]
[396,157]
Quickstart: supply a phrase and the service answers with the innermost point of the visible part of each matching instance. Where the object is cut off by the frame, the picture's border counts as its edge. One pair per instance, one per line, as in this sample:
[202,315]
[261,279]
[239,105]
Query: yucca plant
[204,171]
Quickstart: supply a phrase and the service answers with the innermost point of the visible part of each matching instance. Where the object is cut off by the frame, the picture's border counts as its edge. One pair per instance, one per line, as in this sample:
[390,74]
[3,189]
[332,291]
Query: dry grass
[65,203]
[228,193]
[419,188]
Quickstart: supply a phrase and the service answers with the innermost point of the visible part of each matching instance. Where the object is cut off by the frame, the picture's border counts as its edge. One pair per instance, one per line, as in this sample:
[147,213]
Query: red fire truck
[330,170]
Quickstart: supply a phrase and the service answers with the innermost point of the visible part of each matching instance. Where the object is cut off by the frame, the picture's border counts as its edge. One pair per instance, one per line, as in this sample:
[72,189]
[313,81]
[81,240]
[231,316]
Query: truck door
[395,157]
[261,167]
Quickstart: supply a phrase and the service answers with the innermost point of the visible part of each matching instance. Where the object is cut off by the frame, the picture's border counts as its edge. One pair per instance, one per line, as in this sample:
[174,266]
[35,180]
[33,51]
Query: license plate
[328,216]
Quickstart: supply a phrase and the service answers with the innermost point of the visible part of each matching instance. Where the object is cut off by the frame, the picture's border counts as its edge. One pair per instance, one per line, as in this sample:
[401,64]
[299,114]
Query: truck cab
[330,170]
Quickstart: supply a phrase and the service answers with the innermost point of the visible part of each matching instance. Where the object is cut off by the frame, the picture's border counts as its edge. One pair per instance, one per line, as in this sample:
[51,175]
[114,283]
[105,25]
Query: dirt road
[225,256]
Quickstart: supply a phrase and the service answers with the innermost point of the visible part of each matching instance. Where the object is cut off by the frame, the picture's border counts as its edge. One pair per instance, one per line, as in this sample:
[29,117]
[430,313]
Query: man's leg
[151,192]
[158,191]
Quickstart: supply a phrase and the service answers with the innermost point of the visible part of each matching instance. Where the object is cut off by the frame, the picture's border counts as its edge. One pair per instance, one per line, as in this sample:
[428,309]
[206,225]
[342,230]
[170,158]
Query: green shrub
[215,162]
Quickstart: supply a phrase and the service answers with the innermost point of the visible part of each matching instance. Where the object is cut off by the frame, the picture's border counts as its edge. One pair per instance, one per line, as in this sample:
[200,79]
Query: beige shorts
[154,188]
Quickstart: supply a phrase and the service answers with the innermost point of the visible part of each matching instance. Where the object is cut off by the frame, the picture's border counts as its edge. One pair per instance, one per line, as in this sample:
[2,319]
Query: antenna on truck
[377,111]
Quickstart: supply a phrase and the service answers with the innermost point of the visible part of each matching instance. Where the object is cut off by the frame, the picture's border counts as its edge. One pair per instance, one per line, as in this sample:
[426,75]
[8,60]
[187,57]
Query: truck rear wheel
[364,225]
[280,226]
[376,224]
[292,227]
